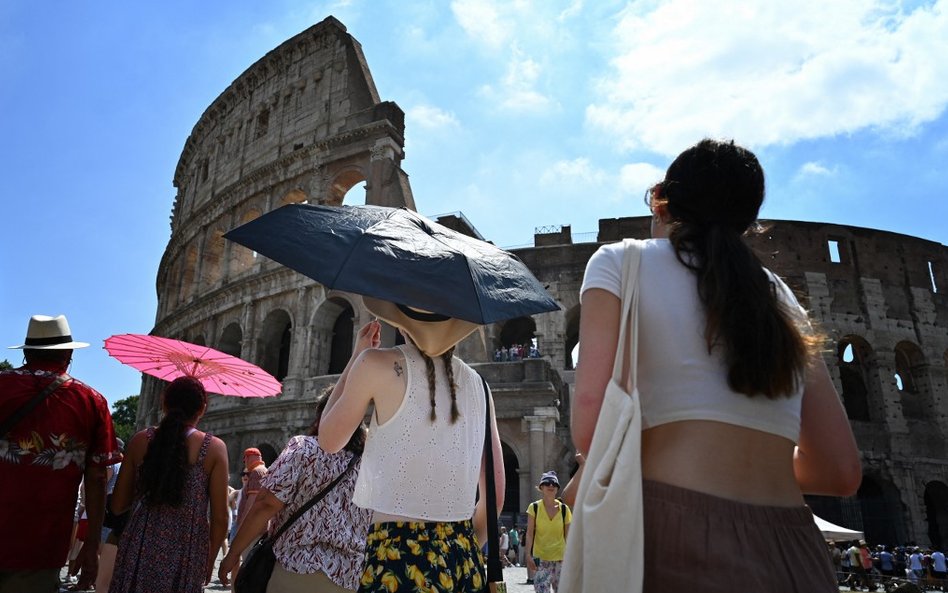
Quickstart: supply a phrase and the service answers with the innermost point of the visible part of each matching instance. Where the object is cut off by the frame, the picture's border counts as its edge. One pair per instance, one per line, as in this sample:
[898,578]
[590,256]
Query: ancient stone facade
[305,123]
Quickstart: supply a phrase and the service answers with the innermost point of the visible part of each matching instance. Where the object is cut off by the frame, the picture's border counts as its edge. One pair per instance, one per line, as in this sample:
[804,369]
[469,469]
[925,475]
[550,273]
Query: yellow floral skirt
[422,557]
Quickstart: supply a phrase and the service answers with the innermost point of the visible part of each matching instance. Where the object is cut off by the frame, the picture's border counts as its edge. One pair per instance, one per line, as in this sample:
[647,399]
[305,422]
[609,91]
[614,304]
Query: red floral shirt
[42,460]
[330,537]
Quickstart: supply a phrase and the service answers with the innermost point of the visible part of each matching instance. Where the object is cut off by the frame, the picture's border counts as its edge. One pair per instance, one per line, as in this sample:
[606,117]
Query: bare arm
[217,486]
[528,541]
[569,492]
[598,338]
[826,460]
[95,479]
[352,394]
[123,495]
[264,508]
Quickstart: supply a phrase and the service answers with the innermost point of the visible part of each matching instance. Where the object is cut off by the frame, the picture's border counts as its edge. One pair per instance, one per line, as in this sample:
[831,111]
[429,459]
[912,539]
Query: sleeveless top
[164,548]
[421,469]
[678,378]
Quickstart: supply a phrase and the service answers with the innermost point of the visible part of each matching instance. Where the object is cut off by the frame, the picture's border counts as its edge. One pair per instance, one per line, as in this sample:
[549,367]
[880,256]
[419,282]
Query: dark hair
[356,442]
[54,355]
[446,359]
[713,192]
[166,461]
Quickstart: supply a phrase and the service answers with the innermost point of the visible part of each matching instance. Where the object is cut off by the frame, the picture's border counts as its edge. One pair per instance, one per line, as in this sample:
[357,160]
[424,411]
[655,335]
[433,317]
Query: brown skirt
[698,542]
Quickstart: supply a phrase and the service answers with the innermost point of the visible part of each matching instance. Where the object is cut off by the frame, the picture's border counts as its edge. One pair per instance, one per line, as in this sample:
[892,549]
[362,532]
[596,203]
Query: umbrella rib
[358,242]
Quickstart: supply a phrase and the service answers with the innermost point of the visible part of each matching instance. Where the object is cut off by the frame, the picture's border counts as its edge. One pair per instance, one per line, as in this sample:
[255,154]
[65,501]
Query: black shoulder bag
[254,573]
[495,570]
[21,413]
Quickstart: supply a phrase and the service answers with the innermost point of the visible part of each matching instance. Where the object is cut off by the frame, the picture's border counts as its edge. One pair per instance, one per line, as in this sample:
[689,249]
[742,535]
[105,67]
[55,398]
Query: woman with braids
[421,469]
[739,414]
[171,474]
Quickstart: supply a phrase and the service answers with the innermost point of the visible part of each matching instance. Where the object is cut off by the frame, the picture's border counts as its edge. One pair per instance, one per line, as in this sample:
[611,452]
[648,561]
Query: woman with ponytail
[421,470]
[739,415]
[171,475]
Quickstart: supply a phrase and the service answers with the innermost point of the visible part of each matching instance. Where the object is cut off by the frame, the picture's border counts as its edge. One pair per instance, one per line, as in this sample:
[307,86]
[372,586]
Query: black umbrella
[398,255]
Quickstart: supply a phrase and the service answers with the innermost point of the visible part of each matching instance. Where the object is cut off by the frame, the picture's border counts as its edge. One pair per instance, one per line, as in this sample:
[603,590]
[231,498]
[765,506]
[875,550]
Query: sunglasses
[554,484]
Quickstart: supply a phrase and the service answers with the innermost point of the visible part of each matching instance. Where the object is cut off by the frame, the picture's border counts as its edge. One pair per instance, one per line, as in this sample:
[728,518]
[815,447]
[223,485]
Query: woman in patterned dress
[170,475]
[323,550]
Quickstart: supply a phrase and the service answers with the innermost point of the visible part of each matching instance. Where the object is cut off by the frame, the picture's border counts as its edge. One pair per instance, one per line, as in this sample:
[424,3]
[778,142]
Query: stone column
[542,428]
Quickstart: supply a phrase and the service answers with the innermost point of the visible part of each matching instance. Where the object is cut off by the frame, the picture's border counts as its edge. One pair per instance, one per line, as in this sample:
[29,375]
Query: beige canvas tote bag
[604,549]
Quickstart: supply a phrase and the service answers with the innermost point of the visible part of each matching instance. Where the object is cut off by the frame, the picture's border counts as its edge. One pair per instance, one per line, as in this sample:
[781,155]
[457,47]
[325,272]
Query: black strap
[319,496]
[495,570]
[11,421]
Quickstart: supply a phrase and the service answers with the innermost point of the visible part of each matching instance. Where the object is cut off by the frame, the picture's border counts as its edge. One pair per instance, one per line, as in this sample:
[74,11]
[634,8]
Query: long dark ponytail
[712,193]
[164,467]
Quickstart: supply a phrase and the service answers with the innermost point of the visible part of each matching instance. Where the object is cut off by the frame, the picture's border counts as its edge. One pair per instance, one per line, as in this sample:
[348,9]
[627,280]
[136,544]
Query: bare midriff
[724,460]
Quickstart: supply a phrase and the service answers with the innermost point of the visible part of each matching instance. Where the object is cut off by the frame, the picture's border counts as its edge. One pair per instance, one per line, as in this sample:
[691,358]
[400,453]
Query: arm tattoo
[398,369]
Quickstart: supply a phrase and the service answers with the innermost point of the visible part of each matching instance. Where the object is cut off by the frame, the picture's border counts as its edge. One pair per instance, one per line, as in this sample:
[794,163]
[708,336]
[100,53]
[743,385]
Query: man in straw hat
[421,468]
[54,431]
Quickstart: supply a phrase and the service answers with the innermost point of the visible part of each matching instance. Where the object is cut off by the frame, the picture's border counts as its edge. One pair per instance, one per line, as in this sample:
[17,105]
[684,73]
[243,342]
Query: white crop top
[678,379]
[419,469]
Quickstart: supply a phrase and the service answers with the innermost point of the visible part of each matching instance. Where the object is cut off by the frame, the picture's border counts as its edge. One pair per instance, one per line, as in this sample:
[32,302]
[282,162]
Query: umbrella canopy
[835,532]
[169,359]
[397,255]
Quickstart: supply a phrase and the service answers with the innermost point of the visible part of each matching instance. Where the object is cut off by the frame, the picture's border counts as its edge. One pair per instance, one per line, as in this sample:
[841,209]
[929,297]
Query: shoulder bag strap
[319,496]
[495,571]
[28,407]
[629,316]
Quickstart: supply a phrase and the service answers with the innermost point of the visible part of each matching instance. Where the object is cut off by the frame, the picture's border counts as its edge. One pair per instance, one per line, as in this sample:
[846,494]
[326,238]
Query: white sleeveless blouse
[421,469]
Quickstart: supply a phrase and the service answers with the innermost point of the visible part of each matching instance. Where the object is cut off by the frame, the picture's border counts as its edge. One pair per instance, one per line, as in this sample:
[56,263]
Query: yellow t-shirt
[548,540]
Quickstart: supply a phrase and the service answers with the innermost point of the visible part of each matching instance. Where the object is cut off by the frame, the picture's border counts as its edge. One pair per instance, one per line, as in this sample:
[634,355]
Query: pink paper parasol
[169,359]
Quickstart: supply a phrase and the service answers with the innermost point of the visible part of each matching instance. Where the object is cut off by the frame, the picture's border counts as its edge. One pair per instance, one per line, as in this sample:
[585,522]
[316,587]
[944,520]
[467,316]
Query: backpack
[535,505]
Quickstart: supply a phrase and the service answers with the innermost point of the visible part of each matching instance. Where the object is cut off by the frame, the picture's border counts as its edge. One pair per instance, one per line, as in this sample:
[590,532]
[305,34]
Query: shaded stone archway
[936,513]
[512,492]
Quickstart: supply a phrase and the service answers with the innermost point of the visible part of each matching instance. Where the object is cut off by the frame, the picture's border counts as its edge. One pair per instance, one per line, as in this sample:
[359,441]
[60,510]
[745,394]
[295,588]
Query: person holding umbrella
[170,477]
[421,469]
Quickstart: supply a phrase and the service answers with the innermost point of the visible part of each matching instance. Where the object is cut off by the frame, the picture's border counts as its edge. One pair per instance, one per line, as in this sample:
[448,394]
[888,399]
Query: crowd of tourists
[863,567]
[691,355]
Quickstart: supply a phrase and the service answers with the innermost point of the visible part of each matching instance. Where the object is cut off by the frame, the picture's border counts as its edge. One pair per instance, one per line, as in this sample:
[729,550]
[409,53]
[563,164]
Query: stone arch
[344,180]
[936,513]
[511,509]
[520,331]
[231,340]
[881,507]
[852,358]
[198,340]
[571,337]
[268,453]
[242,258]
[333,330]
[213,267]
[294,196]
[911,370]
[275,337]
[187,273]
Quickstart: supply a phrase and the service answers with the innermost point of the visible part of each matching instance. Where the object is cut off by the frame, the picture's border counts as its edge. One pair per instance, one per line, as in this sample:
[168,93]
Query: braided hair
[166,460]
[446,360]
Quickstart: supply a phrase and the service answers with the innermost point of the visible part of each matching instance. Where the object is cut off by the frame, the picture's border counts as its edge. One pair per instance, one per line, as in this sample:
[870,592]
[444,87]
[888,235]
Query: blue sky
[520,114]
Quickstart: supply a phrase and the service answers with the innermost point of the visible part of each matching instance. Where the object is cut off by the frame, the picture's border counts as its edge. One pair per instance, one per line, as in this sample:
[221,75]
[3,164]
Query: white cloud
[635,178]
[574,173]
[768,72]
[516,91]
[481,20]
[431,118]
[815,169]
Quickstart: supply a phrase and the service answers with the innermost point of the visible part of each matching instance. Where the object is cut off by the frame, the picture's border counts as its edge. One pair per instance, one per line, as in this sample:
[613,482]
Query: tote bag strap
[629,316]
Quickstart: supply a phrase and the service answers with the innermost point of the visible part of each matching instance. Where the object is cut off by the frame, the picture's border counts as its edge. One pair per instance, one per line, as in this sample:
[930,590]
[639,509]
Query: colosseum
[306,123]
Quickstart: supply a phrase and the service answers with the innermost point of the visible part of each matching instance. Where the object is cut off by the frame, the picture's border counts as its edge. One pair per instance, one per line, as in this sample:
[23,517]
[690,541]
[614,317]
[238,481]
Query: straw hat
[434,334]
[49,333]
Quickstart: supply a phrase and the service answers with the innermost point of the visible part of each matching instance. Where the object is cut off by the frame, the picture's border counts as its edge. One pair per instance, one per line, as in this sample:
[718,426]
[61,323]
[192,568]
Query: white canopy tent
[835,532]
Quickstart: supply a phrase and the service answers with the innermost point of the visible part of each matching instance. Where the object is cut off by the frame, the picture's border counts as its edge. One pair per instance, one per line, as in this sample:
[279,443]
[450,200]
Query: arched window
[212,266]
[518,332]
[275,338]
[188,271]
[909,376]
[230,342]
[340,349]
[296,196]
[852,354]
[242,258]
[571,350]
[341,184]
[332,332]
